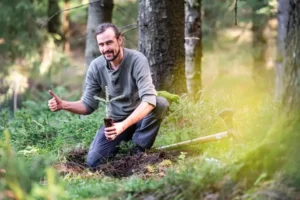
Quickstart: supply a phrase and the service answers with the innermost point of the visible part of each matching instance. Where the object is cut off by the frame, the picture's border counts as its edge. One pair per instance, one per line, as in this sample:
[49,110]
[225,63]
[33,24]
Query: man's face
[109,45]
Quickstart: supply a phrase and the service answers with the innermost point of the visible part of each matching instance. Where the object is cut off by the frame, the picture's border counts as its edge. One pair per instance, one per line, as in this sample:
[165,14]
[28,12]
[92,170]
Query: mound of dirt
[143,164]
[123,165]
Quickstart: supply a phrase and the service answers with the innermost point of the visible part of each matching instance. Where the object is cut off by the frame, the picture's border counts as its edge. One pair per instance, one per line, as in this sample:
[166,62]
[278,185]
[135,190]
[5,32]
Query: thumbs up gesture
[55,104]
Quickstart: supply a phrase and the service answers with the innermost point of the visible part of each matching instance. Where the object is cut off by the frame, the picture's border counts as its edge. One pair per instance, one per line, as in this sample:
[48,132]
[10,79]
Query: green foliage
[23,177]
[281,146]
[124,16]
[4,119]
[20,31]
[36,126]
[92,187]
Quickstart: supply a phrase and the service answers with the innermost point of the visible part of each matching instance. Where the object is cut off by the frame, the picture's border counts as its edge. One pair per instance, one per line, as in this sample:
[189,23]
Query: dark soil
[123,165]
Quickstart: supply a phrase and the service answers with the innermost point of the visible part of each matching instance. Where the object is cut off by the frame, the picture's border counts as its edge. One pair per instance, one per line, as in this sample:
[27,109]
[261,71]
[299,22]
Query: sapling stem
[107,102]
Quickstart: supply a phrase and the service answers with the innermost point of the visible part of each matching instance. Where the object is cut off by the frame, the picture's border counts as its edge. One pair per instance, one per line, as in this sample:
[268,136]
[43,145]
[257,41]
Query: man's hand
[112,132]
[55,104]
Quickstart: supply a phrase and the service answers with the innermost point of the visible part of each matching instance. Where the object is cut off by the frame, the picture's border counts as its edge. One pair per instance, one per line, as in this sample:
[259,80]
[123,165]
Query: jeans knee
[94,159]
[162,106]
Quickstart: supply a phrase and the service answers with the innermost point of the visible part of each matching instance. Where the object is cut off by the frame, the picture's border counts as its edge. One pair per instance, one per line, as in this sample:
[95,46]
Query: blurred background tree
[193,47]
[59,47]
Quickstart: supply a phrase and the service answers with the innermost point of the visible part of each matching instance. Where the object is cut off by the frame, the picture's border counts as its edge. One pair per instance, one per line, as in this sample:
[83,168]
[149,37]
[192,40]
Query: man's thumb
[53,95]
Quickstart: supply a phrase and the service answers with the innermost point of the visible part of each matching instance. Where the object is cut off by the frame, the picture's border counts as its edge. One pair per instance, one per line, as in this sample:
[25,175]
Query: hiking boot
[137,150]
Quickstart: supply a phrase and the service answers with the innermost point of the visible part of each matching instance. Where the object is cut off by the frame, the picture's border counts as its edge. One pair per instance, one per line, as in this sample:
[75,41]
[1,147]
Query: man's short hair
[102,27]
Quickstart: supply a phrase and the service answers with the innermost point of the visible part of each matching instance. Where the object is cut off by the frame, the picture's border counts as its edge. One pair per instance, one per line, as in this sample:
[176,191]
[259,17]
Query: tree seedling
[108,121]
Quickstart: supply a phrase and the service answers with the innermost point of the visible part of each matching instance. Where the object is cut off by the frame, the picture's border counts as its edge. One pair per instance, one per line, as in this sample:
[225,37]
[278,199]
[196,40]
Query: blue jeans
[143,134]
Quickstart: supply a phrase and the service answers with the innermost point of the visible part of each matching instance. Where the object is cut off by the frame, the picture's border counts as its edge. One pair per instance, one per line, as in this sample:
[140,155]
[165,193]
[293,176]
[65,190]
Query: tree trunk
[193,47]
[98,12]
[291,69]
[53,25]
[282,17]
[259,43]
[66,27]
[161,39]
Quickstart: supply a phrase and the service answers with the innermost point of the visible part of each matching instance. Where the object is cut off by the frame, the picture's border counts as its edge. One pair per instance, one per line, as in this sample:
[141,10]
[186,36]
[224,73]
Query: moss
[169,96]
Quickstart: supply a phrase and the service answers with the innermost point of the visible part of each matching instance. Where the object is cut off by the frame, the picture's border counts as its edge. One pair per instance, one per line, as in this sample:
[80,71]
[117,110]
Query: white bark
[193,47]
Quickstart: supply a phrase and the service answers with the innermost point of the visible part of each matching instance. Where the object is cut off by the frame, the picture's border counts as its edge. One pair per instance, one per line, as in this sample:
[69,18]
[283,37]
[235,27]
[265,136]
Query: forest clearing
[228,70]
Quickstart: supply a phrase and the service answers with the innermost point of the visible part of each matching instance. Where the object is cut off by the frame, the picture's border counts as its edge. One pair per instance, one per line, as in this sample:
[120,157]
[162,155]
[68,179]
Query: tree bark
[98,12]
[193,47]
[283,18]
[53,25]
[291,69]
[161,39]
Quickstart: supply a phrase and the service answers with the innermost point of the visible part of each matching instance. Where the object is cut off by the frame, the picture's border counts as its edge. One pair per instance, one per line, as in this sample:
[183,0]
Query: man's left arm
[138,114]
[147,93]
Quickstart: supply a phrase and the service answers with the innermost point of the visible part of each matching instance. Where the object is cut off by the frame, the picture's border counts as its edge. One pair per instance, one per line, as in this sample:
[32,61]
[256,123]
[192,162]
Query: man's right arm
[56,104]
[87,104]
[76,107]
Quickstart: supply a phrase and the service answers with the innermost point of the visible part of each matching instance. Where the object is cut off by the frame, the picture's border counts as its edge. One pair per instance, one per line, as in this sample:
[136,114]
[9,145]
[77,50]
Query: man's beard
[114,56]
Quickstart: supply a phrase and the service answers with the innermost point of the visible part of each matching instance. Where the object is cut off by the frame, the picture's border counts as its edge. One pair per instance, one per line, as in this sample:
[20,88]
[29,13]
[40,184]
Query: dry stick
[200,140]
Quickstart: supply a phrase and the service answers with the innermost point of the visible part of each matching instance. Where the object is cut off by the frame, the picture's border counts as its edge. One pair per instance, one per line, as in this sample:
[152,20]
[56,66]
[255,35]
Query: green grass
[210,168]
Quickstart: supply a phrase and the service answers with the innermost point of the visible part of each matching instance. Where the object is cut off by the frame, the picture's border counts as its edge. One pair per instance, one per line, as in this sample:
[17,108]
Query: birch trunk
[193,47]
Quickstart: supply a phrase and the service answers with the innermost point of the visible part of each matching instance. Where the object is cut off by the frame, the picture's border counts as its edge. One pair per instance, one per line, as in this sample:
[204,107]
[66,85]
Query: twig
[130,29]
[60,11]
[129,25]
[38,124]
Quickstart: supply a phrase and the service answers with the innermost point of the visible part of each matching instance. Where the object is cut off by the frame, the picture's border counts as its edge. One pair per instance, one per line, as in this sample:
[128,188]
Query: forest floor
[152,163]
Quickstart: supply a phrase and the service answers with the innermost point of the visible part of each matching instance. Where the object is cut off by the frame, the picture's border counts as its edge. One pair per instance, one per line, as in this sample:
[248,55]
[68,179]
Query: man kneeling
[137,115]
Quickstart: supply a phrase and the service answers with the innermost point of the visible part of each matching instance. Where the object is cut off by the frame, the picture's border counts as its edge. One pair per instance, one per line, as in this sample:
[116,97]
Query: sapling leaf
[117,98]
[107,101]
[100,99]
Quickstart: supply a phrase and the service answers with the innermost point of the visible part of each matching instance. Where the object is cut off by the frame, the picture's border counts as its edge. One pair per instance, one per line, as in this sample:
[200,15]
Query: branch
[100,99]
[60,11]
[116,98]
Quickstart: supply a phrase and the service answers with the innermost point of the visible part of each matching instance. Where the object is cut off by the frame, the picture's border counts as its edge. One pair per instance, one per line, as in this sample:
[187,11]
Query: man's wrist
[63,105]
[125,124]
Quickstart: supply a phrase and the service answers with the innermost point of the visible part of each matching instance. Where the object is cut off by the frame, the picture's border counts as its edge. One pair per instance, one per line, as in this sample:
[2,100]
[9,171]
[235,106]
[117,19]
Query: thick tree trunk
[98,12]
[193,47]
[282,17]
[161,39]
[291,70]
[259,43]
[53,25]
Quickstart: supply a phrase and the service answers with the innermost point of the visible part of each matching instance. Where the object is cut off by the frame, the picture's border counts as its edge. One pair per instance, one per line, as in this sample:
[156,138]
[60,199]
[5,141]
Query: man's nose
[106,48]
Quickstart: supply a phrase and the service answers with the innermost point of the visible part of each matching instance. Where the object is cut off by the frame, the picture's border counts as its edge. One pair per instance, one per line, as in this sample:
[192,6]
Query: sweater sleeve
[92,88]
[142,75]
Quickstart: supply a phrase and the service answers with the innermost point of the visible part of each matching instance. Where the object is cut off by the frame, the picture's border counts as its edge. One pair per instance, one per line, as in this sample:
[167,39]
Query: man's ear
[120,40]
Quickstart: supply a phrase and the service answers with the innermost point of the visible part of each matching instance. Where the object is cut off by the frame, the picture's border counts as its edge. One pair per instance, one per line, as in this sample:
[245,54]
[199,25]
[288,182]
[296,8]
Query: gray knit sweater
[132,80]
